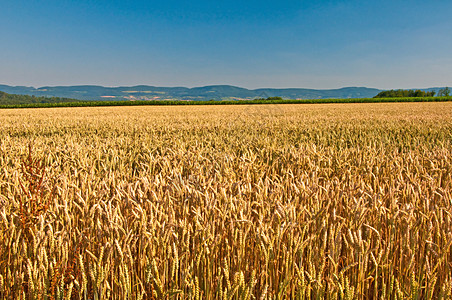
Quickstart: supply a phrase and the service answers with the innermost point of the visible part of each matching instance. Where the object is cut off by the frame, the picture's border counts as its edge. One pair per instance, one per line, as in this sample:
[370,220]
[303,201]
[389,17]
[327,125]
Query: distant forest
[404,93]
[12,99]
[445,92]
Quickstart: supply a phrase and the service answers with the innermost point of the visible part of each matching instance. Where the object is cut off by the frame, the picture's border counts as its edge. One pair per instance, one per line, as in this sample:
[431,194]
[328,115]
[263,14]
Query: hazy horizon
[258,44]
[199,86]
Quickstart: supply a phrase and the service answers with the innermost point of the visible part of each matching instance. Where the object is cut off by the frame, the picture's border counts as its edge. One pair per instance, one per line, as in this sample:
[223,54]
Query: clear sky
[311,44]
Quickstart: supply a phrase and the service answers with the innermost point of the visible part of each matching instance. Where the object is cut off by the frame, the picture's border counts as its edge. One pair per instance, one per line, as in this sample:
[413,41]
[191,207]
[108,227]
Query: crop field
[318,201]
[54,102]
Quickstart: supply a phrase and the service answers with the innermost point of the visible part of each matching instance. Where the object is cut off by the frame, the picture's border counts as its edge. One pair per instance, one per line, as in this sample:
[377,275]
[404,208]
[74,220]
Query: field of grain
[332,201]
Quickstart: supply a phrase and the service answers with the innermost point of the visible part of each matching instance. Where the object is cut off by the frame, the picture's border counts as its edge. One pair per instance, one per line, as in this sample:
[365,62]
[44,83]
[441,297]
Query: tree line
[12,99]
[445,92]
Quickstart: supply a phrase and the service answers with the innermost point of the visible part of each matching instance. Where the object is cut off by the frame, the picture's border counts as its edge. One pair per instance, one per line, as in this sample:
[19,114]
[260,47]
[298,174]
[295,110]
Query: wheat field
[332,201]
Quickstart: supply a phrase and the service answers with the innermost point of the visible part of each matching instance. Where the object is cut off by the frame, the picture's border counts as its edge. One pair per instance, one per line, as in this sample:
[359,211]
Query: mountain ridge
[209,92]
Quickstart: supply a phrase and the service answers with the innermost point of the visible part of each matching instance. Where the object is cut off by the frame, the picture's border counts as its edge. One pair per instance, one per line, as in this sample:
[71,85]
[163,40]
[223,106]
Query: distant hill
[10,99]
[216,92]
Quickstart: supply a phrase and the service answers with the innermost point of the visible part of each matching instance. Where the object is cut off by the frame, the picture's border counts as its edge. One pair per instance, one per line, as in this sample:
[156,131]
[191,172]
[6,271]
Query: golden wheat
[348,201]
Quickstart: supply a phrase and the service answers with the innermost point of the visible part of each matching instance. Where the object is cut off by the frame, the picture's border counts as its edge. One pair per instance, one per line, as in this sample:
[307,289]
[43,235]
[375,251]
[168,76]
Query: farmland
[50,103]
[334,201]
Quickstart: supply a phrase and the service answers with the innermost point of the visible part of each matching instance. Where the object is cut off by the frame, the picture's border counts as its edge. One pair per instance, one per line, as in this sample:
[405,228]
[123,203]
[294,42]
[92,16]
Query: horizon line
[210,85]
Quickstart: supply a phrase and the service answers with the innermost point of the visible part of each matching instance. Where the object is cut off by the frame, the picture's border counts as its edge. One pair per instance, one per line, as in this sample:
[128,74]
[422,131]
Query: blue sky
[312,44]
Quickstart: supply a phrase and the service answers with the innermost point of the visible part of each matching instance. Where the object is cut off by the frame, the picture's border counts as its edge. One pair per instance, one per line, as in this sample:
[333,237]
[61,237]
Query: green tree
[445,92]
